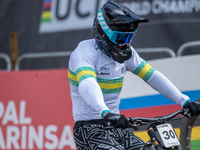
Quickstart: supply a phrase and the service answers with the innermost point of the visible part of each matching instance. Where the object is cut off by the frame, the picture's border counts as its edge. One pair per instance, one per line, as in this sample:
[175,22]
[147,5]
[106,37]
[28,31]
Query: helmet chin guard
[114,28]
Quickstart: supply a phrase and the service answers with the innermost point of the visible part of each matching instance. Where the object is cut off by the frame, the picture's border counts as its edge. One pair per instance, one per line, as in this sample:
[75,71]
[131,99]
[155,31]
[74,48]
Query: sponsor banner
[35,110]
[63,15]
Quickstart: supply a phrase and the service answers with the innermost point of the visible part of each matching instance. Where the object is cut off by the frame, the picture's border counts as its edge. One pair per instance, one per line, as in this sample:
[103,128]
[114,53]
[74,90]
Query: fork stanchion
[152,136]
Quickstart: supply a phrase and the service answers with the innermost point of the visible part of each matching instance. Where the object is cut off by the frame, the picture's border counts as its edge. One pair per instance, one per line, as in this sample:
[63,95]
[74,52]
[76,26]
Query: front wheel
[190,134]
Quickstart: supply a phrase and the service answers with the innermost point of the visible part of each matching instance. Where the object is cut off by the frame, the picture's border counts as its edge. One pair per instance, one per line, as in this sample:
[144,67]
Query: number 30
[169,134]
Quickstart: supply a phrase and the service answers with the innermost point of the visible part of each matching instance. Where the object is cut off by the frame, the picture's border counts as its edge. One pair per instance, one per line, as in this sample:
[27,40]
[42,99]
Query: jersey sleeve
[165,87]
[139,67]
[82,61]
[155,79]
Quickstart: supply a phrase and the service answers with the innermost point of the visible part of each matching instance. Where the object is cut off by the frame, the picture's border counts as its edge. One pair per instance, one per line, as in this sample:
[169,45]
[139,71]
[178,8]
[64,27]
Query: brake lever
[187,113]
[136,123]
[134,126]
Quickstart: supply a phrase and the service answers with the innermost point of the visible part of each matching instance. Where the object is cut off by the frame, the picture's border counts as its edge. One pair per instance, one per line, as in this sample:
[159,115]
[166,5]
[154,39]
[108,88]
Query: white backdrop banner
[63,15]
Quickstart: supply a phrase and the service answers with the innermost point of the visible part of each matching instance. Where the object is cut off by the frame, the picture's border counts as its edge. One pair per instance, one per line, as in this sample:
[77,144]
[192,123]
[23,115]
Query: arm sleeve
[91,93]
[155,79]
[165,87]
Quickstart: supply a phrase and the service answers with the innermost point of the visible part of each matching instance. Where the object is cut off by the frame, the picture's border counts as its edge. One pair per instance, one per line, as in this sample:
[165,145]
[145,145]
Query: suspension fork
[153,138]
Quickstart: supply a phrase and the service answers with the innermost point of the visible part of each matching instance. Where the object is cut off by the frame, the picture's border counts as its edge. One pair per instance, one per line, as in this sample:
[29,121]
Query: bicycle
[162,134]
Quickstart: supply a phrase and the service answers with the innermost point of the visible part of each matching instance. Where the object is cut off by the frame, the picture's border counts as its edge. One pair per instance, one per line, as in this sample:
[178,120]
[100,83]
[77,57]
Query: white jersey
[96,80]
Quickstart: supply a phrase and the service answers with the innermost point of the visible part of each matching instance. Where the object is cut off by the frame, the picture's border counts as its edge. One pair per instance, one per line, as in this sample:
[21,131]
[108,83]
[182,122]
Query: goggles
[116,37]
[121,38]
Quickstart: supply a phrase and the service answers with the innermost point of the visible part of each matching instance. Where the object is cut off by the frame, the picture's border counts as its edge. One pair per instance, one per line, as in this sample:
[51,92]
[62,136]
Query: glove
[119,120]
[194,108]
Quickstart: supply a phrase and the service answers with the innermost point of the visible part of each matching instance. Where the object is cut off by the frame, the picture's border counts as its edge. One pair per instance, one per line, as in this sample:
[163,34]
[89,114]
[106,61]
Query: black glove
[119,120]
[194,108]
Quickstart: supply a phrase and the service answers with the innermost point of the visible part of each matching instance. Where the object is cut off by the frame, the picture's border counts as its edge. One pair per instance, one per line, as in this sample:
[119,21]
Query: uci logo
[62,15]
[77,7]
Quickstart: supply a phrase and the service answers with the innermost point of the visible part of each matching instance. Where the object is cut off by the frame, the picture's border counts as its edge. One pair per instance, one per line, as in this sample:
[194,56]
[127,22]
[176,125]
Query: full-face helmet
[114,28]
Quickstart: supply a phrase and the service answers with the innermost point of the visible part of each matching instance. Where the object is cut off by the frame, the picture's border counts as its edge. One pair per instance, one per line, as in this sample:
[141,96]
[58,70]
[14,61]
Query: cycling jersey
[96,80]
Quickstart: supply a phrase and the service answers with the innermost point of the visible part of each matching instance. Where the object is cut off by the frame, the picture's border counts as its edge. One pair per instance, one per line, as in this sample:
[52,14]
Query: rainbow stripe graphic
[46,13]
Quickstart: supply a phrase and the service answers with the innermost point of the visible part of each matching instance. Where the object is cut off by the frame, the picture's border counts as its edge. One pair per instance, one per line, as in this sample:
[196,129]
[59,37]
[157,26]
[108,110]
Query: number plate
[168,135]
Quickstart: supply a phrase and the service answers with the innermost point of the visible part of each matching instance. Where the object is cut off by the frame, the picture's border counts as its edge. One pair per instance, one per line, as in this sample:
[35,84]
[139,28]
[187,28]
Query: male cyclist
[96,71]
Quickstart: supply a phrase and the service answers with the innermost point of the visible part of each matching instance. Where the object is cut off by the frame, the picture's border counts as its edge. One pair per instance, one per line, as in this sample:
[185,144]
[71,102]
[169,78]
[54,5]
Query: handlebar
[136,122]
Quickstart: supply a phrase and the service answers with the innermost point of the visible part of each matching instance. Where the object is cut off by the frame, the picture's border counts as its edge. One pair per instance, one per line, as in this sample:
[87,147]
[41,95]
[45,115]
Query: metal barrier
[157,50]
[187,45]
[7,59]
[40,55]
[65,54]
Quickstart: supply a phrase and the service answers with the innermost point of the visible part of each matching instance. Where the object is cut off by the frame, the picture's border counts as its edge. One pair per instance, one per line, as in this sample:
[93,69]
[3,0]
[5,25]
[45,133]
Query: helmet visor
[121,38]
[116,37]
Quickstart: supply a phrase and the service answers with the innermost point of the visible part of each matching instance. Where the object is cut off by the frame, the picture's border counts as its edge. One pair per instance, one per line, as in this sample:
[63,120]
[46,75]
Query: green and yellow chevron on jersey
[81,74]
[72,78]
[110,86]
[85,72]
[144,71]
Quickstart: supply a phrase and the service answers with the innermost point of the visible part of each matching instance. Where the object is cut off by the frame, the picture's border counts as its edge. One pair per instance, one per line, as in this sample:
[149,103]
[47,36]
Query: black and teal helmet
[114,28]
